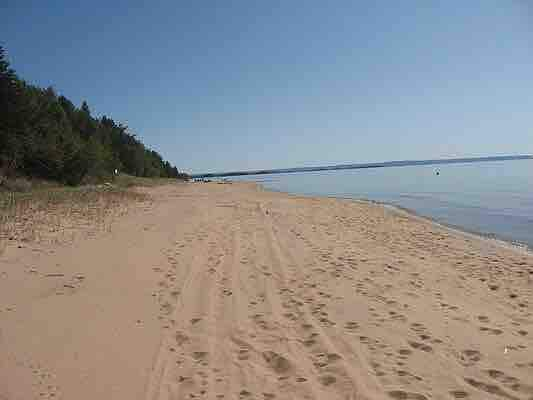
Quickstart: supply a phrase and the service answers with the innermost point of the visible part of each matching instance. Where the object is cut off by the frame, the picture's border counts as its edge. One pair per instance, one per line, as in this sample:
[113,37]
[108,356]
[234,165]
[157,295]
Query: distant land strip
[383,164]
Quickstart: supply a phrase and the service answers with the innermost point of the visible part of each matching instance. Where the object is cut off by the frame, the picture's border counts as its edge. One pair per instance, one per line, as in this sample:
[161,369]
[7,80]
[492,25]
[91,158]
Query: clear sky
[224,85]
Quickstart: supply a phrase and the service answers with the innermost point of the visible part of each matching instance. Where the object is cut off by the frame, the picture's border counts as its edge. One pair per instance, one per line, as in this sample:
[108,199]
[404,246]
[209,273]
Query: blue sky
[255,84]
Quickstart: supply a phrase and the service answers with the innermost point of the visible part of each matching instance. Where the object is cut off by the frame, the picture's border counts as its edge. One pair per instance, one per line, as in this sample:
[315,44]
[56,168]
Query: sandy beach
[228,291]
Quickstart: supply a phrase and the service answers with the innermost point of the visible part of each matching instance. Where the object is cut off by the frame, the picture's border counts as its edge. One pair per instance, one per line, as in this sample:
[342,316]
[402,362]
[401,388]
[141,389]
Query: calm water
[494,198]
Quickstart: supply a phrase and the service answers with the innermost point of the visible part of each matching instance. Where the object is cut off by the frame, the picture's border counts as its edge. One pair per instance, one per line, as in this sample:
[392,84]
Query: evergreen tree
[44,135]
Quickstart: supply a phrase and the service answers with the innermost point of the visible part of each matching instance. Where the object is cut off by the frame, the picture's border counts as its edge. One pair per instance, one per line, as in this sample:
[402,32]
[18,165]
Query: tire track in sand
[324,344]
[182,348]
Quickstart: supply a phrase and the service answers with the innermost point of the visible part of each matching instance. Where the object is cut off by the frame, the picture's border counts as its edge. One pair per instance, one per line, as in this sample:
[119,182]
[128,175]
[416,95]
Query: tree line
[44,135]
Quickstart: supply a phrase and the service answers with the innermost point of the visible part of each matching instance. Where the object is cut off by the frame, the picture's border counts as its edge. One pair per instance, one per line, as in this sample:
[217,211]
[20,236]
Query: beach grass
[48,210]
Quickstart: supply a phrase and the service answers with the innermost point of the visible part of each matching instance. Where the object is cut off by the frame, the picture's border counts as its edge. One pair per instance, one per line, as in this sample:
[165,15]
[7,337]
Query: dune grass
[49,211]
[128,181]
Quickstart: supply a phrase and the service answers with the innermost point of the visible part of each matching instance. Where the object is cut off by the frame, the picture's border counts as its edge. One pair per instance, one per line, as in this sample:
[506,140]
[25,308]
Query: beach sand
[228,291]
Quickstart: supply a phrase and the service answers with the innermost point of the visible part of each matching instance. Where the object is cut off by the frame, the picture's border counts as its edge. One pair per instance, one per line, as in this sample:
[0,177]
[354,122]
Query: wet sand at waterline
[228,291]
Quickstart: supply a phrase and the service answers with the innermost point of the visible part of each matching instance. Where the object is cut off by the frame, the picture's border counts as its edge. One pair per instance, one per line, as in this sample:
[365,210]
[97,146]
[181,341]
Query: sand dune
[231,292]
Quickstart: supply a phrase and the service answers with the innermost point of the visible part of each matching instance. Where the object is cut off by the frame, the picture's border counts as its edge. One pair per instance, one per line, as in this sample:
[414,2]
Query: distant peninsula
[383,164]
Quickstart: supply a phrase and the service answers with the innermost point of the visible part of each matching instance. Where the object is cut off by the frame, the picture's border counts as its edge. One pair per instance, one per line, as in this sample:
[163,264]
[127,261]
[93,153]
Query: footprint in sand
[398,317]
[166,308]
[405,352]
[522,388]
[364,339]
[351,326]
[333,357]
[417,327]
[459,394]
[407,374]
[199,355]
[327,380]
[290,316]
[490,388]
[513,383]
[277,362]
[403,395]
[420,346]
[501,376]
[181,338]
[244,354]
[491,331]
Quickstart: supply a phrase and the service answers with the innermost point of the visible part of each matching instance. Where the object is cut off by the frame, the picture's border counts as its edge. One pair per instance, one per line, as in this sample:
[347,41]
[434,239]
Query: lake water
[493,198]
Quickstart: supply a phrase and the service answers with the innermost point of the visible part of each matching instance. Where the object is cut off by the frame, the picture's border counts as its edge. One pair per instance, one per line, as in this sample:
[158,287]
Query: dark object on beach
[437,172]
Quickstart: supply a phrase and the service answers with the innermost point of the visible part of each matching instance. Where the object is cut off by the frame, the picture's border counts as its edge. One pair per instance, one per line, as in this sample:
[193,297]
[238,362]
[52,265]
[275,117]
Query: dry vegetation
[48,213]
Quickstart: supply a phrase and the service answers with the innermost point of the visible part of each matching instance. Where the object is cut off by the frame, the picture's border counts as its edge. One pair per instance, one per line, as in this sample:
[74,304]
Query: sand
[227,291]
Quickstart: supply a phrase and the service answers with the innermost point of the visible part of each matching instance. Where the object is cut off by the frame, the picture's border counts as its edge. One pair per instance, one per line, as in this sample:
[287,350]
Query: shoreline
[490,237]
